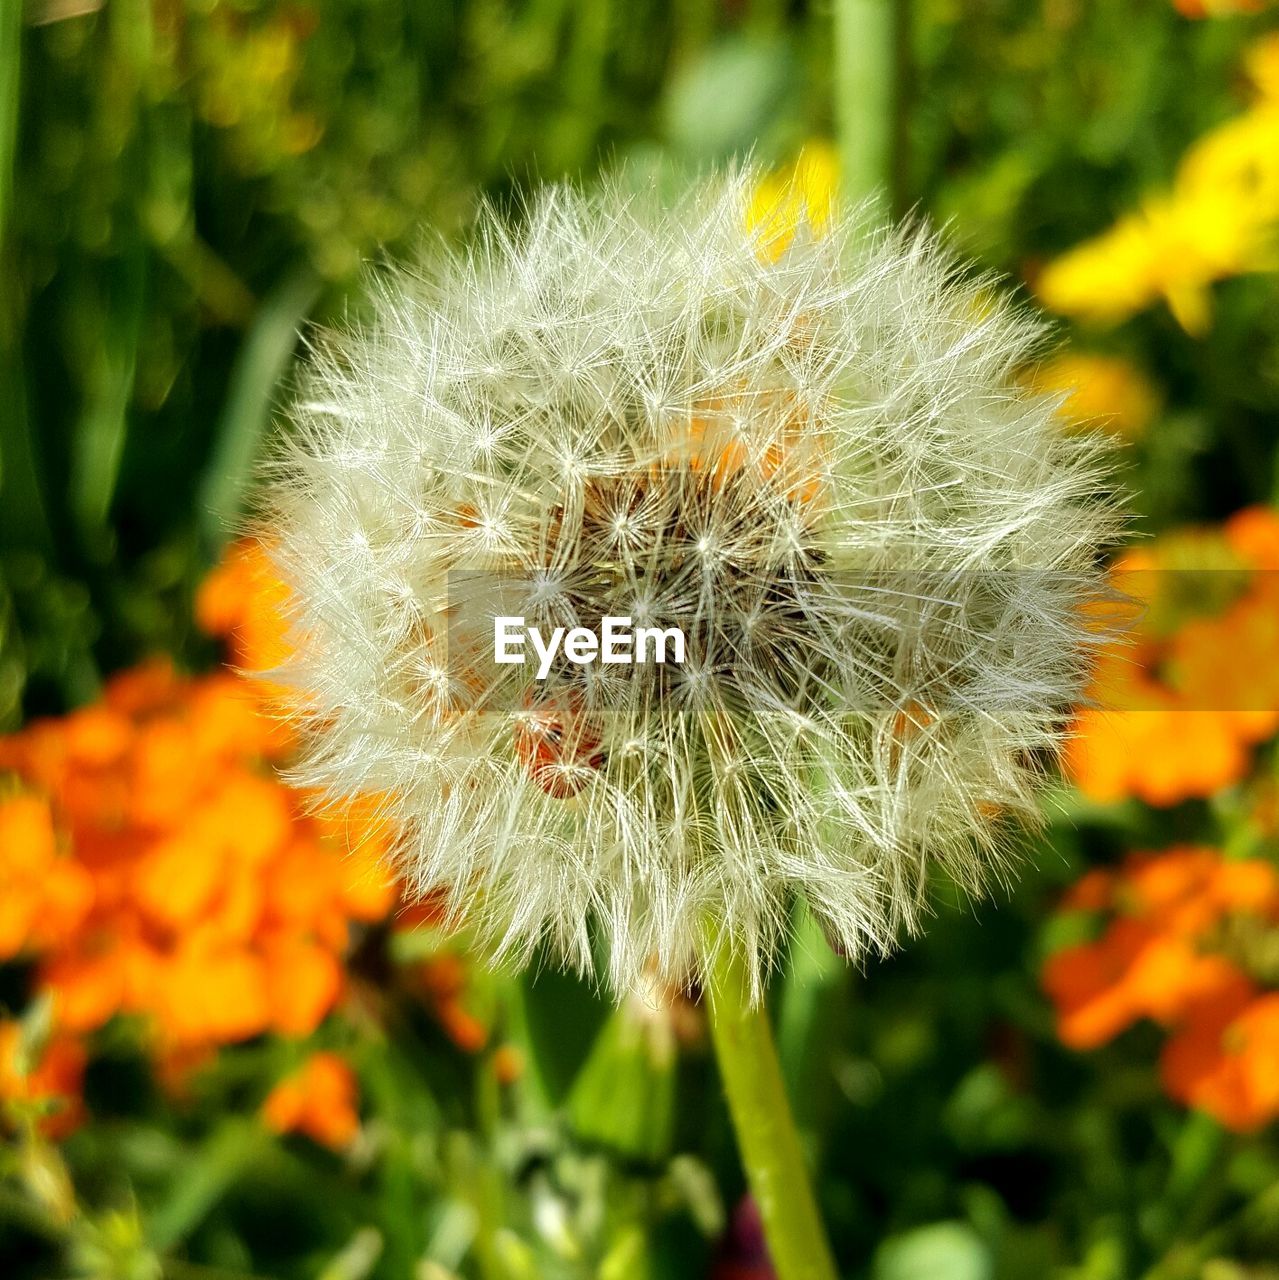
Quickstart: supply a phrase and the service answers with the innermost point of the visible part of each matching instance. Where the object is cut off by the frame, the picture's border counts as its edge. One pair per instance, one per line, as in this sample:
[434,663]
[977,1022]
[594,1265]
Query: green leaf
[941,1251]
[562,1016]
[729,99]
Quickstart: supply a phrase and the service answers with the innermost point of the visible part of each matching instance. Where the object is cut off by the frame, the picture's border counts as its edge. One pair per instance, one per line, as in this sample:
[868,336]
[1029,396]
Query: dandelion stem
[766,1134]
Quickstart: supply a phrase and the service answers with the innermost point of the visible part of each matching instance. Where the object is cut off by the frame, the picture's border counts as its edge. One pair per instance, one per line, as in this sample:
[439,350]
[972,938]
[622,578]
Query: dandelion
[821,468]
[815,462]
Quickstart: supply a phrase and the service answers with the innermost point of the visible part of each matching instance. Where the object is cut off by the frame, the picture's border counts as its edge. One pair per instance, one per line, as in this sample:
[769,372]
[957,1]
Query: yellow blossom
[781,201]
[1239,161]
[1172,248]
[1217,220]
[1104,391]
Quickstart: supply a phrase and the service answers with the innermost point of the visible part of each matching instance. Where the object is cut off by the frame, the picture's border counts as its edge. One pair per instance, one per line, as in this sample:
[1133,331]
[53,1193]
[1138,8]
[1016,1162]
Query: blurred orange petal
[304,982]
[318,1101]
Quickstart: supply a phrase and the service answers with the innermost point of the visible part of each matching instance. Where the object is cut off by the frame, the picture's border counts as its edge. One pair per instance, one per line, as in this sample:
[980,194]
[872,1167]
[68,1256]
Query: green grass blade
[262,360]
[10,78]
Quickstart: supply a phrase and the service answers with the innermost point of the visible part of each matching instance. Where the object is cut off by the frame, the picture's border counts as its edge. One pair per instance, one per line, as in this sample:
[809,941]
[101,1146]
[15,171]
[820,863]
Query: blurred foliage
[186,183]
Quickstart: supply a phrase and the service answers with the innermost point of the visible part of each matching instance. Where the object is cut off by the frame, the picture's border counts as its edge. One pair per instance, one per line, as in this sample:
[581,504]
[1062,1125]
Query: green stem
[766,1135]
[870,39]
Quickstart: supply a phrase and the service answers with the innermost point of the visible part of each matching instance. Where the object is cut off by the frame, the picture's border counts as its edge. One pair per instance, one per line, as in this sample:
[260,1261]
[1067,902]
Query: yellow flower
[1218,220]
[1104,391]
[803,191]
[1172,248]
[245,79]
[1106,278]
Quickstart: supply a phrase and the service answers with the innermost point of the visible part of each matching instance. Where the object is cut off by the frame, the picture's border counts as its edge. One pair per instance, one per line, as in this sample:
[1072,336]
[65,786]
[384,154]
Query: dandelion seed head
[819,464]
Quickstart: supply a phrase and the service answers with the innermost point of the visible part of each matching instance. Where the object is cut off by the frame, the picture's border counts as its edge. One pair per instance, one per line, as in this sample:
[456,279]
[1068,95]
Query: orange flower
[1133,972]
[443,981]
[154,865]
[1093,891]
[303,982]
[1159,756]
[1172,888]
[1172,718]
[1216,8]
[50,1085]
[164,870]
[243,601]
[1088,985]
[1254,534]
[43,895]
[1246,885]
[212,995]
[1247,686]
[1225,1060]
[318,1101]
[1097,390]
[460,1025]
[508,1064]
[1161,957]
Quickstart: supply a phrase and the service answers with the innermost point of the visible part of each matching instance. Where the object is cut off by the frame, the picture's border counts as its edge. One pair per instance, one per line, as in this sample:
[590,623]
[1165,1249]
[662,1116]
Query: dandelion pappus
[557,743]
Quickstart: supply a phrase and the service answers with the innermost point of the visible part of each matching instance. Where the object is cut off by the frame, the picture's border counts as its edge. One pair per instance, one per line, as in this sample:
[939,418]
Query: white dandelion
[818,467]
